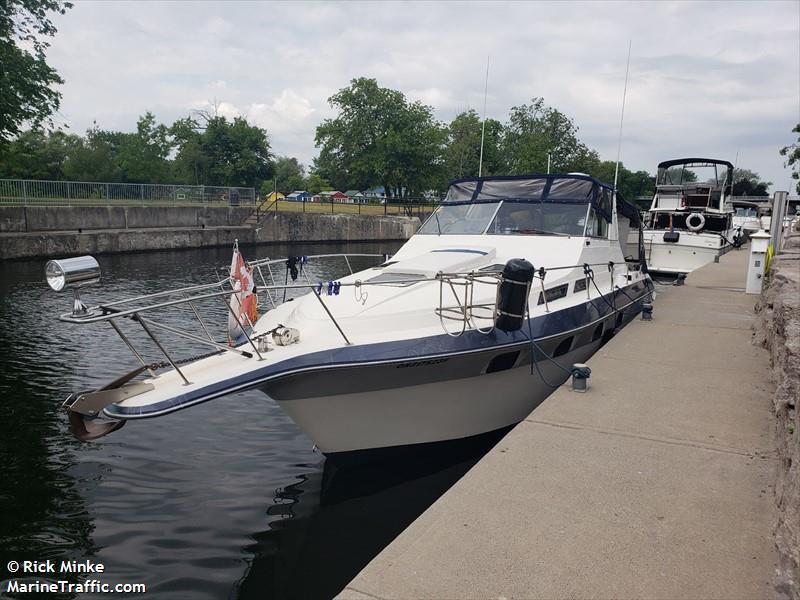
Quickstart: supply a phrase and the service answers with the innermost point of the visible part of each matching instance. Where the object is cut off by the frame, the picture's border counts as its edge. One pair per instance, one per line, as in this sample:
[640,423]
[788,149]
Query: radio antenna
[483,127]
[619,141]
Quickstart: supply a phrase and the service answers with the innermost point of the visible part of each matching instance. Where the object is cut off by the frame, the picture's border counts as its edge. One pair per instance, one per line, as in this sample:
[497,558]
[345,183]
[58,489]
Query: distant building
[376,193]
[336,197]
[356,197]
[299,196]
[271,197]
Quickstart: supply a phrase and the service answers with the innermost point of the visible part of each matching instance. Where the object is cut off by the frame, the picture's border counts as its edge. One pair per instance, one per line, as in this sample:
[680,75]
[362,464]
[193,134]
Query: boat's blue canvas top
[566,188]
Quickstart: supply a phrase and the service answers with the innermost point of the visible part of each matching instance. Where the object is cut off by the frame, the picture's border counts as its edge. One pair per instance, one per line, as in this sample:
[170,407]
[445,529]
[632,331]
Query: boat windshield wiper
[532,231]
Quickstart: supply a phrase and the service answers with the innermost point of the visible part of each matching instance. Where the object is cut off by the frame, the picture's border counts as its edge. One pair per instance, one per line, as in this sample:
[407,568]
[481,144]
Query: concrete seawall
[22,219]
[33,232]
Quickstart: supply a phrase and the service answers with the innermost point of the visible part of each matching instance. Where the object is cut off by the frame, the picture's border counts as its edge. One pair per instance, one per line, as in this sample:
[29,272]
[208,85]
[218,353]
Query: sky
[711,79]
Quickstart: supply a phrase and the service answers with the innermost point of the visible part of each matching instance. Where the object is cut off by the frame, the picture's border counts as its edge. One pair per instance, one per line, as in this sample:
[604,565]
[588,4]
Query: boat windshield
[460,219]
[508,218]
[746,212]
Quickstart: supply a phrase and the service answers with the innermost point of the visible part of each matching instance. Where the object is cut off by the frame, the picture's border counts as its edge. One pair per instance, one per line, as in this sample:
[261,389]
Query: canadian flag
[244,301]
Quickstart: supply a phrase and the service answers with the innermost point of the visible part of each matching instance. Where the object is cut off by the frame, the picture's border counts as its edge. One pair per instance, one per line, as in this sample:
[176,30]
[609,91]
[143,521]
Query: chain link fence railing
[32,192]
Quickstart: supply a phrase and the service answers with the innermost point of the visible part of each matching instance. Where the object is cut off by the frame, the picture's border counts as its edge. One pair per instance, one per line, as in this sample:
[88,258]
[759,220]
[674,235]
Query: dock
[656,483]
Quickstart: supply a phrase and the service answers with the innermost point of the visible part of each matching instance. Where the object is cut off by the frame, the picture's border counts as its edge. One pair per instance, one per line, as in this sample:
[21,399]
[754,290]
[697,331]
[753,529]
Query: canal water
[224,500]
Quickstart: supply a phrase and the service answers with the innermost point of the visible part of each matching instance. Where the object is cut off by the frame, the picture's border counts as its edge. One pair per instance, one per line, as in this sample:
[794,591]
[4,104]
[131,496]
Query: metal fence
[32,192]
[406,207]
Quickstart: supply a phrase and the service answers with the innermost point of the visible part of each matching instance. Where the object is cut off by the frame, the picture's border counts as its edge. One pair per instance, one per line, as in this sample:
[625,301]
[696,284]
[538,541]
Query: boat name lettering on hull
[420,363]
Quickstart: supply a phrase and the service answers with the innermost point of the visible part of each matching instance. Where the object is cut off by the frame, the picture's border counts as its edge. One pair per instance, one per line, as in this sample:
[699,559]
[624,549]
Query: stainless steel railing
[138,309]
[479,315]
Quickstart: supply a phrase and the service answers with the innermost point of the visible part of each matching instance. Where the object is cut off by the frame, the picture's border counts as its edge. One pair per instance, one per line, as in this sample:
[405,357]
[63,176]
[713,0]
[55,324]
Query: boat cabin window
[597,227]
[746,212]
[679,175]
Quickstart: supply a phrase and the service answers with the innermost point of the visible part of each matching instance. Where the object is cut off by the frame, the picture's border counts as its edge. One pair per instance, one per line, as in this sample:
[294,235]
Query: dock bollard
[680,279]
[647,311]
[580,375]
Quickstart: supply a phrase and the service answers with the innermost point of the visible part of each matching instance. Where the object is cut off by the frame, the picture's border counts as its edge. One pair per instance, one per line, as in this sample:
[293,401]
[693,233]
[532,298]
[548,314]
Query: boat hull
[402,405]
[426,413]
[691,252]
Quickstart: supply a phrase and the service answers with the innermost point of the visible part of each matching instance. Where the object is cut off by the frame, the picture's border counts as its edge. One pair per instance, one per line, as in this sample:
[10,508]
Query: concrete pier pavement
[656,483]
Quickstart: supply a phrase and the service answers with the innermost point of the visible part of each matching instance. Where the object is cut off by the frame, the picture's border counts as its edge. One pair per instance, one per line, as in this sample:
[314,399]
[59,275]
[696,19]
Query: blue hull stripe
[543,326]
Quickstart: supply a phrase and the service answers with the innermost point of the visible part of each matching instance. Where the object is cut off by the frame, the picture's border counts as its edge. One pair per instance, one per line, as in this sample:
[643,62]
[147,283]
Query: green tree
[748,183]
[463,147]
[189,164]
[535,130]
[215,151]
[37,154]
[315,183]
[378,138]
[93,158]
[28,91]
[792,154]
[143,156]
[290,174]
[630,184]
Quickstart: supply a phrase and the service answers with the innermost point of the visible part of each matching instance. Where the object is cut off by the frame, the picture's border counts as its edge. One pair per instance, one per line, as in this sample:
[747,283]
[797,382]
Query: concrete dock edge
[657,483]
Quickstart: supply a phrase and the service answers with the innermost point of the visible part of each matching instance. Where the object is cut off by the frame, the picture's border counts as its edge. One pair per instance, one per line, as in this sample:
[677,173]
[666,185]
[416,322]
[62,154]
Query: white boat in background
[464,331]
[690,221]
[746,220]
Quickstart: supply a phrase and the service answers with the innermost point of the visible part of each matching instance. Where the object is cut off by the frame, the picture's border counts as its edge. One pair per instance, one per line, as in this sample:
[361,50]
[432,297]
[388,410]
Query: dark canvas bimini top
[693,161]
[569,189]
[574,188]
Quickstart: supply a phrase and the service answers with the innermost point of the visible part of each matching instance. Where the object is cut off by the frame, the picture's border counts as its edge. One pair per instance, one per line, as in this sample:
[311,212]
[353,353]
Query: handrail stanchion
[264,281]
[130,346]
[321,301]
[160,347]
[199,318]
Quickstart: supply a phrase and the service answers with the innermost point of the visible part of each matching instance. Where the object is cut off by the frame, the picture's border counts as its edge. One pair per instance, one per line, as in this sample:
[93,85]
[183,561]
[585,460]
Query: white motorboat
[746,220]
[689,222]
[464,331]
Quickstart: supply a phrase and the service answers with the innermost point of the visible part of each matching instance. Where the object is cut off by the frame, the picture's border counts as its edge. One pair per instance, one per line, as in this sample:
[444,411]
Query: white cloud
[706,78]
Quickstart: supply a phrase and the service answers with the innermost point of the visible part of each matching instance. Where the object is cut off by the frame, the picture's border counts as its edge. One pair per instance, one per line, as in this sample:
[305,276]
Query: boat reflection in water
[328,525]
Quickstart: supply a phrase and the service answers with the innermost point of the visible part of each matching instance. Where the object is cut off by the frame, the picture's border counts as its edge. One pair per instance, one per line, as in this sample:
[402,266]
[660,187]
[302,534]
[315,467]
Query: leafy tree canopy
[462,151]
[289,174]
[630,184]
[315,183]
[221,152]
[27,82]
[212,152]
[534,130]
[792,154]
[748,183]
[35,154]
[379,138]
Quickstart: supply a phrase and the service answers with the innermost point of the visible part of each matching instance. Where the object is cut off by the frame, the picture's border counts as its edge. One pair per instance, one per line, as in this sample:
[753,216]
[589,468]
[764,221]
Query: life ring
[700,224]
